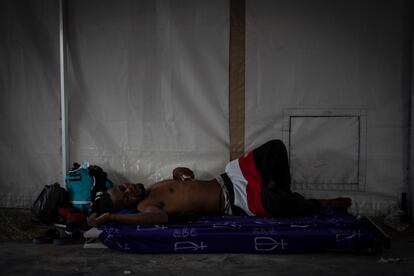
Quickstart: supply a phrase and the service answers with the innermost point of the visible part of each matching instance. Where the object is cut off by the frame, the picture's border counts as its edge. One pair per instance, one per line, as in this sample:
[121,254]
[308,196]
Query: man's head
[118,197]
[126,195]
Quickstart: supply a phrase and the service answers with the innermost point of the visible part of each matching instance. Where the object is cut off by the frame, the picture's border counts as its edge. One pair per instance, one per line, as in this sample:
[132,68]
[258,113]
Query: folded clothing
[58,237]
[47,237]
[71,219]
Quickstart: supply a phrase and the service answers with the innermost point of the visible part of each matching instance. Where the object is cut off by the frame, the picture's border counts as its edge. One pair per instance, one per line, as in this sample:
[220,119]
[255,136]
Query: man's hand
[94,221]
[183,174]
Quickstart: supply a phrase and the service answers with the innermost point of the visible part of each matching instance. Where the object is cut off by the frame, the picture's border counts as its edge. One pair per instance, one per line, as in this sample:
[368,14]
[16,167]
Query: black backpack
[46,206]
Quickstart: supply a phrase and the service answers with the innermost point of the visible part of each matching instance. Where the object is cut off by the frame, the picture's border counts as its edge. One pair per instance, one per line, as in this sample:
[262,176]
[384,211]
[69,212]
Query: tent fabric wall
[148,86]
[29,99]
[326,58]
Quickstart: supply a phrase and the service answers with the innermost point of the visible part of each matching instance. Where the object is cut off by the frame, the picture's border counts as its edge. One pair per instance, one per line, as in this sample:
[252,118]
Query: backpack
[51,198]
[81,182]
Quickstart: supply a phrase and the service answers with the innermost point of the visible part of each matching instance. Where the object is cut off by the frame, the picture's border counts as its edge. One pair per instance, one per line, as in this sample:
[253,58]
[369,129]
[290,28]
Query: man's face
[126,195]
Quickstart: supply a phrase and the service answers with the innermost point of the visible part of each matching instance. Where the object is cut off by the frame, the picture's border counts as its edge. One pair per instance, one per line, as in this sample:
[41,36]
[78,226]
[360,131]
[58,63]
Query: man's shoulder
[154,194]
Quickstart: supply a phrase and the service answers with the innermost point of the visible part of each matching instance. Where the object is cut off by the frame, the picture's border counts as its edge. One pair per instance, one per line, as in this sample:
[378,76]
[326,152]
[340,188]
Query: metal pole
[63,96]
[410,41]
[411,74]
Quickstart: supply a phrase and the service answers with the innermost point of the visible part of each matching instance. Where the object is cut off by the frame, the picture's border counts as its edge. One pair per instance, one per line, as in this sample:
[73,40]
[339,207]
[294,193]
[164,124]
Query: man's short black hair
[102,203]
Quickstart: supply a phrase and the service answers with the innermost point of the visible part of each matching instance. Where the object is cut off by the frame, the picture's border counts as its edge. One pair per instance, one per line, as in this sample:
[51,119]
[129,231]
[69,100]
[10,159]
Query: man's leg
[271,161]
[282,203]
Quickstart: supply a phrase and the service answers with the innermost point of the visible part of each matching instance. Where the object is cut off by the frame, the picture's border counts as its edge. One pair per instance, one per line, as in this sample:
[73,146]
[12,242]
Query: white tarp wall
[29,99]
[331,78]
[147,86]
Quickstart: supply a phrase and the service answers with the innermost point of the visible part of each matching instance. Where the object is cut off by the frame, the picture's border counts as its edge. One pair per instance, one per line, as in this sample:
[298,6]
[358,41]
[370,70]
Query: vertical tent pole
[63,96]
[411,131]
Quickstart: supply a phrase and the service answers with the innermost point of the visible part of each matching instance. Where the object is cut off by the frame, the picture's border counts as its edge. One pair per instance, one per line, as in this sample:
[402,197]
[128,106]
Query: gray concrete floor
[21,257]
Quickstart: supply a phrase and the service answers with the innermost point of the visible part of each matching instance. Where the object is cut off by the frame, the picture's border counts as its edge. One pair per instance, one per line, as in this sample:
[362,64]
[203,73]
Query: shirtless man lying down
[256,184]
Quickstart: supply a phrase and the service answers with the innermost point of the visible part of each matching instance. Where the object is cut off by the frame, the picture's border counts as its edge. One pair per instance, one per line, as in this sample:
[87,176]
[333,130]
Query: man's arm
[150,215]
[183,174]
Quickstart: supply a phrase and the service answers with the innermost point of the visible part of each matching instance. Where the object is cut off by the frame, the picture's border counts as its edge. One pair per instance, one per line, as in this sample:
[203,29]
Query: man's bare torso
[183,198]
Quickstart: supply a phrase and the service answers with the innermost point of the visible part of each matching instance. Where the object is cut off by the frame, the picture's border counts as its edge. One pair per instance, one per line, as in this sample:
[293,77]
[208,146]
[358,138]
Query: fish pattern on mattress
[327,230]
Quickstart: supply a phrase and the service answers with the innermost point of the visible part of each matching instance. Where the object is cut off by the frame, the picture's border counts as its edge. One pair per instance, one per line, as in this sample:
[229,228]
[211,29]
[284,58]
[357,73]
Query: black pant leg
[271,161]
[282,203]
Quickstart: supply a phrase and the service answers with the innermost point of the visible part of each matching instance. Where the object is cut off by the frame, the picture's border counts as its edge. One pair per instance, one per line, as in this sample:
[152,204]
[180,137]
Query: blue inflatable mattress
[325,231]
